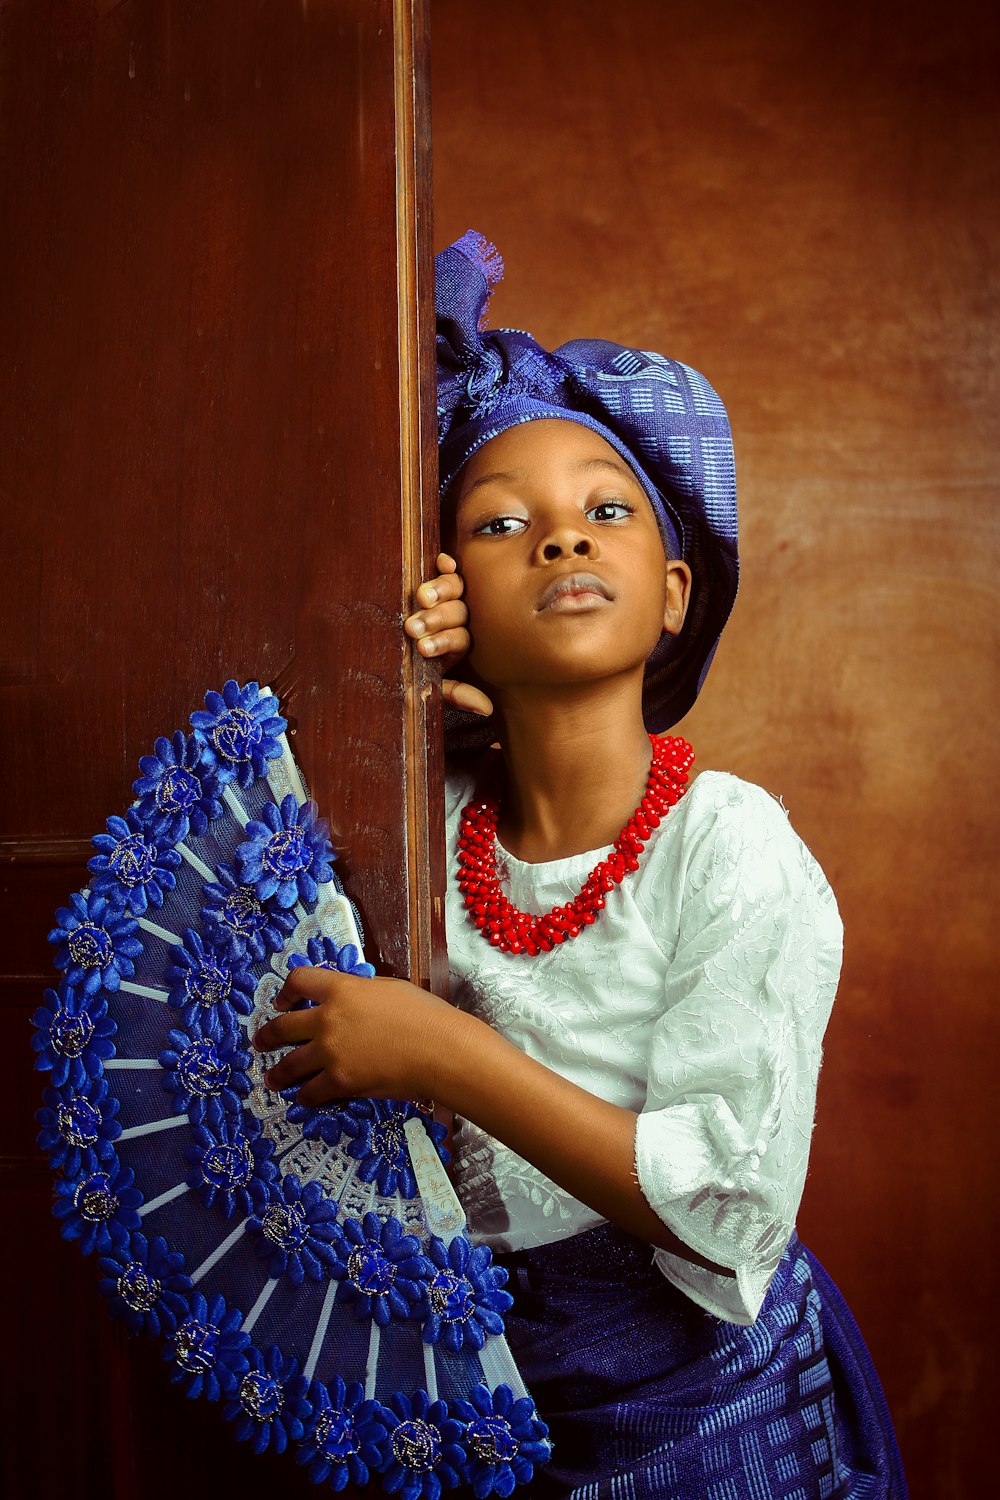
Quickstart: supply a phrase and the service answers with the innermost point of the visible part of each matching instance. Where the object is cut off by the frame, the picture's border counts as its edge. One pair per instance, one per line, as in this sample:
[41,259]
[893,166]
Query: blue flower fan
[309,1269]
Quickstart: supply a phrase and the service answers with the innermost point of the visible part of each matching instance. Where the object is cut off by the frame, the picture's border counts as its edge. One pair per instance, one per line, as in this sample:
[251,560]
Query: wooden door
[216,440]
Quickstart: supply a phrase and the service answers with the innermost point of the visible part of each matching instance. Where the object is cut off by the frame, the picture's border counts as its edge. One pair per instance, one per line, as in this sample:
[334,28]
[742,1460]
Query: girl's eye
[611,510]
[501,526]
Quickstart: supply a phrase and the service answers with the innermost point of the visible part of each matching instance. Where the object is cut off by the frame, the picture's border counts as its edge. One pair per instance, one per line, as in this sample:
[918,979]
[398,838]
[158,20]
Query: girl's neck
[575,772]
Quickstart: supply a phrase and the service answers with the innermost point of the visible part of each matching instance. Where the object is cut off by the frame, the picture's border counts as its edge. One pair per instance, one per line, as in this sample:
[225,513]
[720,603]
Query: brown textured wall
[801,200]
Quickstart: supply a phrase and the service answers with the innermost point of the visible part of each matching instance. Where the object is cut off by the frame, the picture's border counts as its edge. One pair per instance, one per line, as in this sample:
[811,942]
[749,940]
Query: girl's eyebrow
[615,464]
[500,476]
[581,465]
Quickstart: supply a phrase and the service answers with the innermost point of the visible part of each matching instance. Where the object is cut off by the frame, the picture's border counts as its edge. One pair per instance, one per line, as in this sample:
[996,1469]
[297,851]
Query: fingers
[447,585]
[463,695]
[301,1062]
[285,1031]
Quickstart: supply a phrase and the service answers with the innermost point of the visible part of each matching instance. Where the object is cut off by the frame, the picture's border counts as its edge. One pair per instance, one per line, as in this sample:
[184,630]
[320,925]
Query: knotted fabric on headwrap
[661,416]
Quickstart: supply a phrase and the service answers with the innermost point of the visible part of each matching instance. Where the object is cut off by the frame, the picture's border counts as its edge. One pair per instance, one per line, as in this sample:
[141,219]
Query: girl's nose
[568,541]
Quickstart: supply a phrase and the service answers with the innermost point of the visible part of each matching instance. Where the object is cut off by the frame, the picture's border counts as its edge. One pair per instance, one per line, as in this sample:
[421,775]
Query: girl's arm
[386,1038]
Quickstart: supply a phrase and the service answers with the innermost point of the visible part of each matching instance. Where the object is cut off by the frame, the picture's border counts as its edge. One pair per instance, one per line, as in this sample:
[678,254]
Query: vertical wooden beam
[423,792]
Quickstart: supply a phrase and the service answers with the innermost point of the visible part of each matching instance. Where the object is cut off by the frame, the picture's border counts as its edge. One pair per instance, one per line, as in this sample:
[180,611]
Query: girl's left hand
[360,1039]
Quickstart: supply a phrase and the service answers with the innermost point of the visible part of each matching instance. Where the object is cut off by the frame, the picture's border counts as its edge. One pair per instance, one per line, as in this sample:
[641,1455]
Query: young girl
[643,975]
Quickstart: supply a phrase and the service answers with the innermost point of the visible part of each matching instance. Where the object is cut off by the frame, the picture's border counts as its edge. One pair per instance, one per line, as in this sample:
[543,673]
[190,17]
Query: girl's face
[565,575]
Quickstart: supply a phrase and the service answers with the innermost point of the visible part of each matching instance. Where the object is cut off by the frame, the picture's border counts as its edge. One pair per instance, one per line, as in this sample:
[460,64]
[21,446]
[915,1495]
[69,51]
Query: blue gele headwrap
[661,416]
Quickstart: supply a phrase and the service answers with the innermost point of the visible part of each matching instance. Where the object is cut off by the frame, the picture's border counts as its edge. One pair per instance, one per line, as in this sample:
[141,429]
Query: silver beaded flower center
[369,1271]
[242,912]
[335,1436]
[208,984]
[387,1139]
[79,1122]
[200,1069]
[285,853]
[131,861]
[417,1445]
[137,1289]
[196,1345]
[90,947]
[261,1397]
[452,1297]
[285,1226]
[236,735]
[492,1440]
[228,1167]
[70,1034]
[177,791]
[94,1199]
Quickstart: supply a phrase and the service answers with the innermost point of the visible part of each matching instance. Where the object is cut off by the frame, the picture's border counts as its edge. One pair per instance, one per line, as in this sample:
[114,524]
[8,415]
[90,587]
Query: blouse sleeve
[722,1142]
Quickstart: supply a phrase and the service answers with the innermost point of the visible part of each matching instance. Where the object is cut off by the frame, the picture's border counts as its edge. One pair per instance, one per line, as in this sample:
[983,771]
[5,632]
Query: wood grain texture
[216,432]
[801,201]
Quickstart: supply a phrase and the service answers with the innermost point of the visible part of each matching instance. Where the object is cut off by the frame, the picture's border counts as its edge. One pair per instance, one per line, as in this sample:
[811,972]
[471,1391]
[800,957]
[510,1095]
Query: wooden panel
[216,430]
[801,200]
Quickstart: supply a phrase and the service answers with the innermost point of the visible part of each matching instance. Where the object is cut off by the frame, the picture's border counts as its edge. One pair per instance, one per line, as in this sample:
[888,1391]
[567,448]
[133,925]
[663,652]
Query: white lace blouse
[699,999]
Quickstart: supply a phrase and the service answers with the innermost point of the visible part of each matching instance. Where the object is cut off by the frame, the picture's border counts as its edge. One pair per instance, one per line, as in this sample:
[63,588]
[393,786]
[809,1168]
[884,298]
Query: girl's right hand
[439,629]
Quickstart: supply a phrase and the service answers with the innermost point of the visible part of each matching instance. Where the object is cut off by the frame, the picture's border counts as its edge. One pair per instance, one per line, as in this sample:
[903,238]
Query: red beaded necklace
[514,931]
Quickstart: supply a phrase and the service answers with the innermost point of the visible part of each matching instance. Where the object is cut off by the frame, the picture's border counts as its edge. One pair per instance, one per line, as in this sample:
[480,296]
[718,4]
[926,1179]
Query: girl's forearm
[583,1143]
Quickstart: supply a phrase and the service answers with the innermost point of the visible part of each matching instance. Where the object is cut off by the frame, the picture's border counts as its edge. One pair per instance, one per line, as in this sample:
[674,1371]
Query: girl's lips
[576,591]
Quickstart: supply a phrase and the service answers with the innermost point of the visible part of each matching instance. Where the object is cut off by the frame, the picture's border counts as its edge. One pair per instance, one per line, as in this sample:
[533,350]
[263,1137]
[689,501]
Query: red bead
[513,931]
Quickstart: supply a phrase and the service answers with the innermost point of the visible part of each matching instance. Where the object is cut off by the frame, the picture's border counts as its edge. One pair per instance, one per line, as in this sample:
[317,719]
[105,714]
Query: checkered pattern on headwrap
[661,416]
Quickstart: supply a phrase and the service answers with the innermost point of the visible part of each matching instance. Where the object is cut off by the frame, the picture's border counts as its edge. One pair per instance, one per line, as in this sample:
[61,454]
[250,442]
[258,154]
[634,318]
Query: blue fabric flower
[504,1439]
[238,923]
[72,1036]
[231,1165]
[206,1078]
[144,1282]
[380,1269]
[239,731]
[178,790]
[132,869]
[423,1450]
[343,1441]
[379,1145]
[90,1204]
[286,854]
[93,945]
[464,1297]
[209,993]
[324,954]
[295,1229]
[208,1348]
[78,1127]
[271,1403]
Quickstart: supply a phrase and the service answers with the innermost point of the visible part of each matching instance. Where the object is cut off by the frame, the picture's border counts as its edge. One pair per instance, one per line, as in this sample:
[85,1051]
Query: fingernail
[417,627]
[431,595]
[429,646]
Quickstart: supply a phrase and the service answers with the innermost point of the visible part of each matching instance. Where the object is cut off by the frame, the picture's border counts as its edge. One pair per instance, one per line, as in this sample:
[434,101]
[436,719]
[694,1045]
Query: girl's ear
[678,592]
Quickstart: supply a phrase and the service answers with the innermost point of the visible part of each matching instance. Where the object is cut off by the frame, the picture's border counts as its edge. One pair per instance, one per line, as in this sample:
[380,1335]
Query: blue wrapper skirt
[646,1395]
